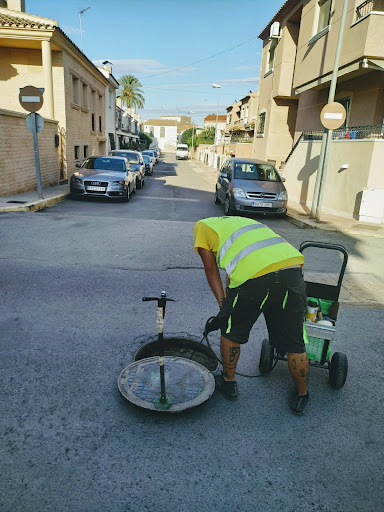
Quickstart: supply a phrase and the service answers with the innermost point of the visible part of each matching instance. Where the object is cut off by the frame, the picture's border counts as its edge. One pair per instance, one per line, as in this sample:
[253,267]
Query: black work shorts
[281,297]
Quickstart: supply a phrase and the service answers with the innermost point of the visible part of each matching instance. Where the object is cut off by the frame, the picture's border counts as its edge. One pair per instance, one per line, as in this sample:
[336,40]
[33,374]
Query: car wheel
[138,184]
[143,183]
[216,198]
[227,206]
[126,196]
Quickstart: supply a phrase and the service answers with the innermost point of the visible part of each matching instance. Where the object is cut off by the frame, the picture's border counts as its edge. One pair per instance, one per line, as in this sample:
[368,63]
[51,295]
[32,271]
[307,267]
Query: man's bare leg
[298,365]
[230,353]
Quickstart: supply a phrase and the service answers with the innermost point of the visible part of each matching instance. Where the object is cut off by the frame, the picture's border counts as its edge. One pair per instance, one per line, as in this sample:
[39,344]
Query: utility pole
[216,86]
[81,11]
[327,136]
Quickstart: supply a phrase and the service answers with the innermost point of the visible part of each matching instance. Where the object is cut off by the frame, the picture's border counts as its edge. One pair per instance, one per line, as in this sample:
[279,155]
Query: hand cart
[319,336]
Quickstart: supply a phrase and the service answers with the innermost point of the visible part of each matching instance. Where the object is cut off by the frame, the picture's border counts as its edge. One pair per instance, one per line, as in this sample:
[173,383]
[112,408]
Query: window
[324,14]
[271,55]
[162,131]
[150,130]
[100,113]
[85,96]
[85,151]
[93,122]
[75,90]
[77,151]
[93,99]
[260,172]
[260,128]
[346,102]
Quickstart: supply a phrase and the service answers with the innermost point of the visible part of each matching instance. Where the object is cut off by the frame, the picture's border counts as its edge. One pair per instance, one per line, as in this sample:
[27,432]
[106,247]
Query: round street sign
[333,115]
[31,98]
[29,121]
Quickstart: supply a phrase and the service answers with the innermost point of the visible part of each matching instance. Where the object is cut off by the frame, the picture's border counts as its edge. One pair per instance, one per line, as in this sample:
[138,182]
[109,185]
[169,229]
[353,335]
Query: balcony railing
[369,6]
[241,139]
[372,131]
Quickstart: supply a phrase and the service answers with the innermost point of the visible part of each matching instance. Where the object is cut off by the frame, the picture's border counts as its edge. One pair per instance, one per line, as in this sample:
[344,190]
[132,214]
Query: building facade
[299,45]
[163,133]
[35,51]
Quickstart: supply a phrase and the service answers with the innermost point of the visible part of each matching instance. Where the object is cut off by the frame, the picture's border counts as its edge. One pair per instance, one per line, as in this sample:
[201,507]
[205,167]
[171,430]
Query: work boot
[227,388]
[299,403]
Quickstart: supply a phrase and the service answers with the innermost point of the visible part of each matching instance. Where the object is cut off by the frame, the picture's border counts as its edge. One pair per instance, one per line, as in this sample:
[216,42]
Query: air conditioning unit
[274,31]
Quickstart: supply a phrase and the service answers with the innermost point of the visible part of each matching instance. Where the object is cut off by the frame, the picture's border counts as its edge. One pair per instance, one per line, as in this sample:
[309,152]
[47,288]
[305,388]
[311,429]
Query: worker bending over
[263,276]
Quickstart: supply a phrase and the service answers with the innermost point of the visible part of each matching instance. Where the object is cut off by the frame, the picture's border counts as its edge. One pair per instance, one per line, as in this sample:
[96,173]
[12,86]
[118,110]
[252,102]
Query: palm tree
[130,92]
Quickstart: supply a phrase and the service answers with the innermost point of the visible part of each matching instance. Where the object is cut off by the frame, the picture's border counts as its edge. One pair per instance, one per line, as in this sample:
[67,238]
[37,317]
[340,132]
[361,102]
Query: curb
[35,206]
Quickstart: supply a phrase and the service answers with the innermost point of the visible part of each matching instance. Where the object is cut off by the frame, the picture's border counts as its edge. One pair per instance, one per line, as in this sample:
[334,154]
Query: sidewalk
[29,201]
[297,215]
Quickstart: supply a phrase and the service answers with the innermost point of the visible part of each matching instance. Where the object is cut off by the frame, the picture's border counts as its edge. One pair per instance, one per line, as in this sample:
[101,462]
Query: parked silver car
[103,176]
[252,186]
[136,163]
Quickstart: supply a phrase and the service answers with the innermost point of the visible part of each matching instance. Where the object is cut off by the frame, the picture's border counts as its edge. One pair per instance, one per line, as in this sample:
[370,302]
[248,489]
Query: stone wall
[17,159]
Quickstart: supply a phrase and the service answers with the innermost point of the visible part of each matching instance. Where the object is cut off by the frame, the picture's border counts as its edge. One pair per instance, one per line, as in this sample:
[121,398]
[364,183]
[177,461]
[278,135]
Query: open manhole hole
[181,347]
[17,202]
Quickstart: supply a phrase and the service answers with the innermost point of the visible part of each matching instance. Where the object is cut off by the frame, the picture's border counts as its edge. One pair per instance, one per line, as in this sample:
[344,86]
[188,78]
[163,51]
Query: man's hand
[214,323]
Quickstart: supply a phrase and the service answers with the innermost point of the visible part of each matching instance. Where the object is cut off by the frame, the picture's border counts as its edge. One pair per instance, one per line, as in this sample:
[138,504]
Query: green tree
[130,92]
[187,135]
[207,136]
[145,140]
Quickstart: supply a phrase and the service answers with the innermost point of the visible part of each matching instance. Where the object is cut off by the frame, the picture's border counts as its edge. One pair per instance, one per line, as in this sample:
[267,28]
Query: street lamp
[81,11]
[216,86]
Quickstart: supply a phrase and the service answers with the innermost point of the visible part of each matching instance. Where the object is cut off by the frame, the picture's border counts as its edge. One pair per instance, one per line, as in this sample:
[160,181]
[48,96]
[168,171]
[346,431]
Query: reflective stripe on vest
[253,248]
[236,235]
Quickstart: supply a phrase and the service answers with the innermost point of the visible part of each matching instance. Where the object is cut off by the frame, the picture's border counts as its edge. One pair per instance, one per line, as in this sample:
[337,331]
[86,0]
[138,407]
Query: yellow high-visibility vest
[247,247]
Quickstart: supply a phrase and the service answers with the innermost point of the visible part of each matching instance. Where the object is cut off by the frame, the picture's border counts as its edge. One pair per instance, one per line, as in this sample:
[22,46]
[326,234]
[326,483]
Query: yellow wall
[17,159]
[342,194]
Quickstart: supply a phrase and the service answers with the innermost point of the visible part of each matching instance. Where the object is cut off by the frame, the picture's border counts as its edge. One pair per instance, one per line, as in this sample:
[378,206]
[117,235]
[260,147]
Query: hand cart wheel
[338,369]
[266,357]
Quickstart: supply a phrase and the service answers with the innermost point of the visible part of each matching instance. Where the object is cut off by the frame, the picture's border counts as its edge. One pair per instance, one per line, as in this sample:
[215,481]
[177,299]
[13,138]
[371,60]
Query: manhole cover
[181,347]
[187,383]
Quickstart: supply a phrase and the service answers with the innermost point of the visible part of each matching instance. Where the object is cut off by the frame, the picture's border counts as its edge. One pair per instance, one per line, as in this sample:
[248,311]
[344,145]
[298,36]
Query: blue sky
[146,38]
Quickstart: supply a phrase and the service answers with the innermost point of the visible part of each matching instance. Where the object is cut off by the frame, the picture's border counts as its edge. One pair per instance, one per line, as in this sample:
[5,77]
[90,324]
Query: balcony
[372,131]
[369,6]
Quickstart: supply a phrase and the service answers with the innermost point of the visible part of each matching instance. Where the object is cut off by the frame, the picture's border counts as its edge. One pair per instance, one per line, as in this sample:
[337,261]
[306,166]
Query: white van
[182,151]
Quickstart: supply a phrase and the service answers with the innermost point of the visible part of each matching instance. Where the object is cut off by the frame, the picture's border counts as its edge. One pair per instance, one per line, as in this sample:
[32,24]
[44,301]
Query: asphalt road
[71,318]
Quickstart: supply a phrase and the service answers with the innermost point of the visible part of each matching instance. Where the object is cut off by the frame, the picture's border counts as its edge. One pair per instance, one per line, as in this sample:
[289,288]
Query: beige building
[297,60]
[35,51]
[241,118]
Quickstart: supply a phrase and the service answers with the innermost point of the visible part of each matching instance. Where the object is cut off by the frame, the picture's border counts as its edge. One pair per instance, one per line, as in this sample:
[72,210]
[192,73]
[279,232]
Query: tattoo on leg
[294,364]
[233,354]
[225,373]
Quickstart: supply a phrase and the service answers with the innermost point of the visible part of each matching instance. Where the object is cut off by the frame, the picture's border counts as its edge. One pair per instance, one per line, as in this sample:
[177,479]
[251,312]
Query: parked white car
[182,152]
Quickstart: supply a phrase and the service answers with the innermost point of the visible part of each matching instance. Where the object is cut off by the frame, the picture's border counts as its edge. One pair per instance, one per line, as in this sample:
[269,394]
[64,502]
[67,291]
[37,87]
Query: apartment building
[241,118]
[163,133]
[35,51]
[298,55]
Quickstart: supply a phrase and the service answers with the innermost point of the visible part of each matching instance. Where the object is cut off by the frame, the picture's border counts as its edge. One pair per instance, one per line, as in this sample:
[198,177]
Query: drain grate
[366,227]
[17,202]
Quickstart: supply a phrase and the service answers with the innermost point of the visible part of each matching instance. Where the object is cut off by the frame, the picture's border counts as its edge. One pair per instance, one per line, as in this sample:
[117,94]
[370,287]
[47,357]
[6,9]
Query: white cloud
[246,67]
[139,66]
[72,30]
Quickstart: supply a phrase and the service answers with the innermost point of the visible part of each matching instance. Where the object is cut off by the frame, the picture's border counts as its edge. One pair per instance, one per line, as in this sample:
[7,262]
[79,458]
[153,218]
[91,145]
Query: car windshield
[182,148]
[105,164]
[146,159]
[133,158]
[148,153]
[260,172]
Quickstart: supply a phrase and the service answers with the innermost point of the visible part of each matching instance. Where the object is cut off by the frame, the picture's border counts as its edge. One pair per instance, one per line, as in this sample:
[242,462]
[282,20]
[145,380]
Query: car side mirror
[282,179]
[78,165]
[224,175]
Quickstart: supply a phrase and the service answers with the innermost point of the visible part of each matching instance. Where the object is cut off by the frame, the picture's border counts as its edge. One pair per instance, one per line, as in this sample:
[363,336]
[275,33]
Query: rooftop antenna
[81,11]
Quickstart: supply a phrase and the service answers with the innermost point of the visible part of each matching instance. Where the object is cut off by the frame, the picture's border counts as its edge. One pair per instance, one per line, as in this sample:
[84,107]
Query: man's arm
[212,274]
